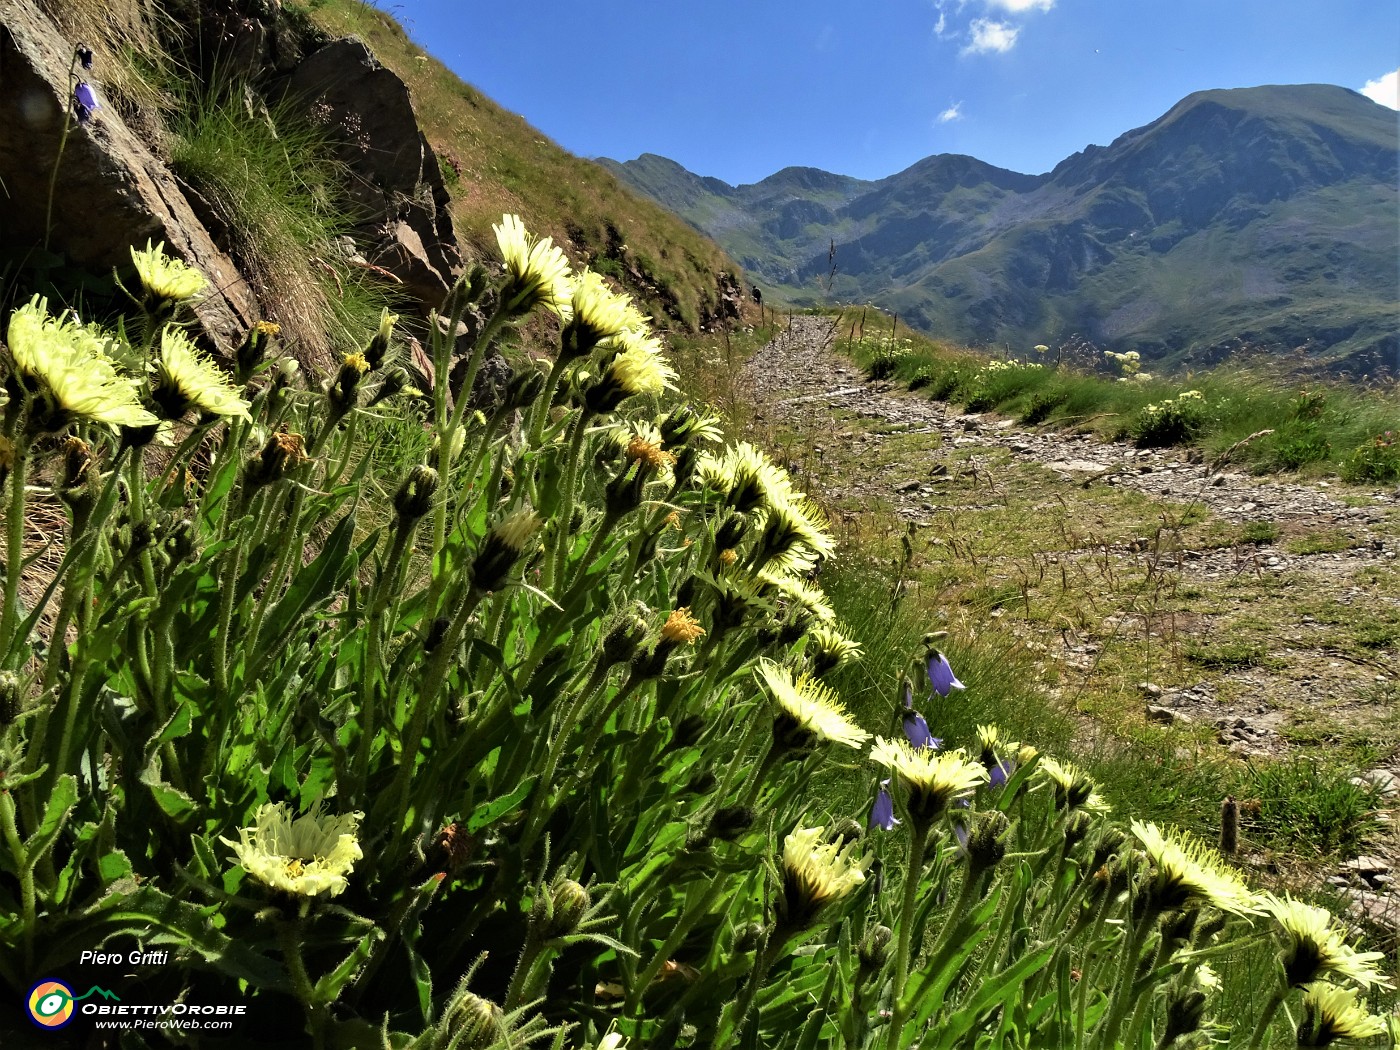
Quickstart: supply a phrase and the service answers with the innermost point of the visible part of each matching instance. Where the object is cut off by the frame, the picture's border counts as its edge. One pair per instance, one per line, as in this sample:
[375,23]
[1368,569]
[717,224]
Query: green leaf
[314,583]
[488,813]
[173,802]
[60,804]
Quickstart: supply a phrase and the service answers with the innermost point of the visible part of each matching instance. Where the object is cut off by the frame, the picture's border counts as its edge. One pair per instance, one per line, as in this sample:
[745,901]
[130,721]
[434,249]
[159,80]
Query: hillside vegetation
[1260,216]
[494,163]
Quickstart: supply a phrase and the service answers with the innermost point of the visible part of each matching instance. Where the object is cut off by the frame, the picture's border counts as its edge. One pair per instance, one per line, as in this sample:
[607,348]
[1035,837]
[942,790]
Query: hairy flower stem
[692,914]
[14,561]
[371,672]
[1266,1017]
[909,899]
[1087,978]
[58,157]
[534,954]
[555,566]
[289,937]
[1123,997]
[545,401]
[743,1006]
[25,867]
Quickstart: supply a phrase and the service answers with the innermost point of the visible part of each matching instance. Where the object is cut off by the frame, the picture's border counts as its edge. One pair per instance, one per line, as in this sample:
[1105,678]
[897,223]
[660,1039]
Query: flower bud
[730,532]
[747,937]
[569,901]
[729,822]
[253,350]
[437,631]
[985,849]
[702,784]
[10,705]
[77,457]
[501,548]
[415,496]
[523,388]
[621,643]
[874,949]
[180,541]
[474,1023]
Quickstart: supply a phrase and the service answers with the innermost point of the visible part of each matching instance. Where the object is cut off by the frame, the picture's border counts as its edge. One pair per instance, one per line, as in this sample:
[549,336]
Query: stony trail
[1306,686]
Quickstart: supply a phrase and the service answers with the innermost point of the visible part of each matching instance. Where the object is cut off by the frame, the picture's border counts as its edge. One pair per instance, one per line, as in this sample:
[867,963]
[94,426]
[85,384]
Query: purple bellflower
[85,101]
[84,54]
[916,730]
[882,813]
[940,674]
[1000,772]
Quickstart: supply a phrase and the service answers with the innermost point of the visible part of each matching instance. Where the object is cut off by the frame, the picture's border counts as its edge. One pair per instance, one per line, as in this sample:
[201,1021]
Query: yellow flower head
[794,534]
[935,779]
[793,590]
[166,281]
[305,857]
[831,649]
[1315,947]
[681,627]
[66,360]
[189,378]
[598,311]
[809,712]
[1331,1013]
[1074,789]
[816,873]
[754,481]
[1185,872]
[640,368]
[537,273]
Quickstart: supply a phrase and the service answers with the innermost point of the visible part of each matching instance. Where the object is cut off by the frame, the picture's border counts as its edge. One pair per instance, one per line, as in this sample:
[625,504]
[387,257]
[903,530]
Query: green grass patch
[1313,807]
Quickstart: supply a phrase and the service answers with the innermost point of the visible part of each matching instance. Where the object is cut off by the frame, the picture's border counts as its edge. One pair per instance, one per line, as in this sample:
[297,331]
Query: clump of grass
[1259,533]
[1310,806]
[1228,656]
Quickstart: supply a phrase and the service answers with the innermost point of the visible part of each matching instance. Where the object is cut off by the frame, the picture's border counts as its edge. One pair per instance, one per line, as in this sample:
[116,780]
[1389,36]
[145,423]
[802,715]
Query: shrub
[1042,404]
[1375,460]
[1174,421]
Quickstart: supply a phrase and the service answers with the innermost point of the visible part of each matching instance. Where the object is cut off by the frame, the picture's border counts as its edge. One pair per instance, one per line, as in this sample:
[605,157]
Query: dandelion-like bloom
[306,857]
[1315,947]
[940,674]
[536,271]
[816,873]
[501,547]
[1185,872]
[67,362]
[830,649]
[638,368]
[935,779]
[754,481]
[681,628]
[794,535]
[1074,789]
[166,281]
[1331,1013]
[599,312]
[882,813]
[795,591]
[189,378]
[809,712]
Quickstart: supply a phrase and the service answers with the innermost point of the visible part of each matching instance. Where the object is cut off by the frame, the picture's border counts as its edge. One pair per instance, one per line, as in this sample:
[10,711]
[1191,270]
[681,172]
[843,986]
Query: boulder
[397,188]
[111,191]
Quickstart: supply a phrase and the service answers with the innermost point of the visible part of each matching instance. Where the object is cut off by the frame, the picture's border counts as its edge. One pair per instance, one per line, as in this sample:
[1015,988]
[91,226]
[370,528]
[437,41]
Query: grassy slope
[505,165]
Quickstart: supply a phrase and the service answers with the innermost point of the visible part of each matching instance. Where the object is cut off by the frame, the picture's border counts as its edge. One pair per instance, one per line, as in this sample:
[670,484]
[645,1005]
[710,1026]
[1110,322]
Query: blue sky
[867,87]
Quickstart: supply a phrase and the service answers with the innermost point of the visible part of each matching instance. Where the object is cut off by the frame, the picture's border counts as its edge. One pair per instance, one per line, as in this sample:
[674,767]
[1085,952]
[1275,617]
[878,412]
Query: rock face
[111,191]
[398,188]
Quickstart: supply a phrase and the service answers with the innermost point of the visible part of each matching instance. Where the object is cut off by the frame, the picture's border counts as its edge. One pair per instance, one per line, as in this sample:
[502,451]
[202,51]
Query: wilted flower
[940,674]
[165,281]
[935,779]
[1183,872]
[537,272]
[816,873]
[84,55]
[1331,1013]
[307,857]
[809,712]
[882,813]
[681,628]
[67,361]
[189,378]
[1315,947]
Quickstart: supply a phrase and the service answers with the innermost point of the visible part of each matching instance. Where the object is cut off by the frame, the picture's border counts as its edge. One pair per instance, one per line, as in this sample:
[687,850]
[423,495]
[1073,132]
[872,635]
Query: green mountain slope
[1264,215]
[495,162]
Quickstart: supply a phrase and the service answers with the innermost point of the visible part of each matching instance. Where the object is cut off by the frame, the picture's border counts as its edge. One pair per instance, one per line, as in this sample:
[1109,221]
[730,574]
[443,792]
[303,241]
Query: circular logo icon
[51,1004]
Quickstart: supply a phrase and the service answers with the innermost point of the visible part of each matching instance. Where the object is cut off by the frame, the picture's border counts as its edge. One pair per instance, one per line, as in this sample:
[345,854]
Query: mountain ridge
[1263,215]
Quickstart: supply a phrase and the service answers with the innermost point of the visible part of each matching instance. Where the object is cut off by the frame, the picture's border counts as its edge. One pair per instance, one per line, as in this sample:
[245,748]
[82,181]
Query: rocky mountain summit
[1259,216]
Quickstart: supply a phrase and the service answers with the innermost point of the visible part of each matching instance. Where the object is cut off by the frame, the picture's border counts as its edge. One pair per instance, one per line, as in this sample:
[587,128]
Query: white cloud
[941,26]
[1385,89]
[953,112]
[988,35]
[1017,6]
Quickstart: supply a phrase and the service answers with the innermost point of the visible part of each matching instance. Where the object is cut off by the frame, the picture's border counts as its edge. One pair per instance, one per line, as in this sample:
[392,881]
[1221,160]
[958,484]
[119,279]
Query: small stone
[1367,865]
[1166,716]
[1149,689]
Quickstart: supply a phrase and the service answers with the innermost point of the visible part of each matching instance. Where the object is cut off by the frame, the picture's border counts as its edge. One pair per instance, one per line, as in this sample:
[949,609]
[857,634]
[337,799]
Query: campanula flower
[940,674]
[882,813]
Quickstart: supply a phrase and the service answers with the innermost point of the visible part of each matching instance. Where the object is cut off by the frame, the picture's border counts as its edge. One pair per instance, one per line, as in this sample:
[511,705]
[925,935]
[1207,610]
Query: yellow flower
[1183,872]
[67,361]
[537,272]
[598,311]
[831,649]
[1074,789]
[306,857]
[816,873]
[681,626]
[754,481]
[1314,946]
[808,711]
[799,592]
[935,779]
[640,368]
[794,535]
[1331,1013]
[166,281]
[189,378]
